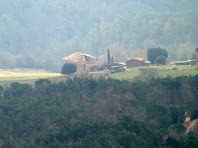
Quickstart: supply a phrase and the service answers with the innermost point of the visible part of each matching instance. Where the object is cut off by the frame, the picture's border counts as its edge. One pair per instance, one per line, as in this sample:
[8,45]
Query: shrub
[1,91]
[68,68]
[179,128]
[194,114]
[172,142]
[174,68]
[160,60]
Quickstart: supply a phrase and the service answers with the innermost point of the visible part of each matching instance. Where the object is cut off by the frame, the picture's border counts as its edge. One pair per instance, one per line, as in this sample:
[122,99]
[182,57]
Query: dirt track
[190,126]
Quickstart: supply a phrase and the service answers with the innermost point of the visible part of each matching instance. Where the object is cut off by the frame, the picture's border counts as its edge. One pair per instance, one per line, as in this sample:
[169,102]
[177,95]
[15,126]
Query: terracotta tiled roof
[80,57]
[137,59]
[140,59]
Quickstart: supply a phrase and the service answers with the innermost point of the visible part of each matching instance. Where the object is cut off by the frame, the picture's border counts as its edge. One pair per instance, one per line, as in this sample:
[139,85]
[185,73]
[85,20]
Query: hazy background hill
[38,34]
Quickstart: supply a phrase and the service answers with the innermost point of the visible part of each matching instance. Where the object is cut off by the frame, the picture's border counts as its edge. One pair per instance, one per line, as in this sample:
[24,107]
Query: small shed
[118,67]
[83,62]
[177,63]
[193,62]
[136,62]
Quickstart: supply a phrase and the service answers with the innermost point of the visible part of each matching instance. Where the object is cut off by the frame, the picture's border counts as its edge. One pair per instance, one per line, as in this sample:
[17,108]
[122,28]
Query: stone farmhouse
[136,62]
[83,62]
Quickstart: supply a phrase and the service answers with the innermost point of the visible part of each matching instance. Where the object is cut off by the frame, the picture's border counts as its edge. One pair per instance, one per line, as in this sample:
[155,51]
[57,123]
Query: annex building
[136,62]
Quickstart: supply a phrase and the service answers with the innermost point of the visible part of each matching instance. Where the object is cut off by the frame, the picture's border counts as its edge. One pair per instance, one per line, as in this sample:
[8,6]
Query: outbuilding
[136,62]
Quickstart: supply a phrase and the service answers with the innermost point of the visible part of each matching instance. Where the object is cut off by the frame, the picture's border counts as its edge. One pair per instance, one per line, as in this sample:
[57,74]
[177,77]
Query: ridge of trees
[121,26]
[98,113]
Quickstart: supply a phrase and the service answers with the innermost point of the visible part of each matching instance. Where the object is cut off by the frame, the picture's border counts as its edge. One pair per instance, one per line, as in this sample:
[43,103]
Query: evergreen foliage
[160,60]
[194,114]
[68,68]
[153,53]
[98,113]
[108,57]
[121,26]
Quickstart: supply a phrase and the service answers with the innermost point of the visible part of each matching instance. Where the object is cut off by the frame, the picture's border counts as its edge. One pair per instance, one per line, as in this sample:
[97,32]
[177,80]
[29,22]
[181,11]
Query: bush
[172,142]
[177,114]
[179,128]
[160,60]
[1,91]
[174,68]
[194,114]
[68,68]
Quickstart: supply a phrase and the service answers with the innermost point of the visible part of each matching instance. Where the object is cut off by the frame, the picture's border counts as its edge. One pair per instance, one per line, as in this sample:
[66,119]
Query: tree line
[29,38]
[99,113]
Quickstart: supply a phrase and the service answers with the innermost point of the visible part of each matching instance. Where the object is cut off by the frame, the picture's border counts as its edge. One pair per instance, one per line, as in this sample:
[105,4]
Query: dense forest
[85,112]
[38,34]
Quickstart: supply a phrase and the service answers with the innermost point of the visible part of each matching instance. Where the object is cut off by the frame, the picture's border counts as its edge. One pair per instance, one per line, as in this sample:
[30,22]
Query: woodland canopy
[30,38]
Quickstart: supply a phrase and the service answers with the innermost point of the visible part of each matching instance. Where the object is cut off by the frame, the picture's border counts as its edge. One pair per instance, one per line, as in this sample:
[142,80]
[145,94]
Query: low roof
[140,59]
[137,59]
[119,63]
[148,62]
[192,60]
[80,57]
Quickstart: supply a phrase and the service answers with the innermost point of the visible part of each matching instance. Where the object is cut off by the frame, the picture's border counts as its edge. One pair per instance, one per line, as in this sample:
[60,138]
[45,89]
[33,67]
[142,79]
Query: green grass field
[7,77]
[25,74]
[125,75]
[162,71]
[175,73]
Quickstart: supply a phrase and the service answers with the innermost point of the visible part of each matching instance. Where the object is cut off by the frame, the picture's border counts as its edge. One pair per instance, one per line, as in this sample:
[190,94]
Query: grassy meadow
[7,77]
[161,71]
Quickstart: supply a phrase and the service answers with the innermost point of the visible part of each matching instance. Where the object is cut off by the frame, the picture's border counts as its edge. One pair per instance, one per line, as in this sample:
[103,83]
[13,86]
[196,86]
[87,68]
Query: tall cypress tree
[112,60]
[108,57]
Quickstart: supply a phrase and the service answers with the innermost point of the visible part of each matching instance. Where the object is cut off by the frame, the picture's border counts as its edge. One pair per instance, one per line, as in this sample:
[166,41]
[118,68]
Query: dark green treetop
[153,53]
[160,60]
[68,68]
